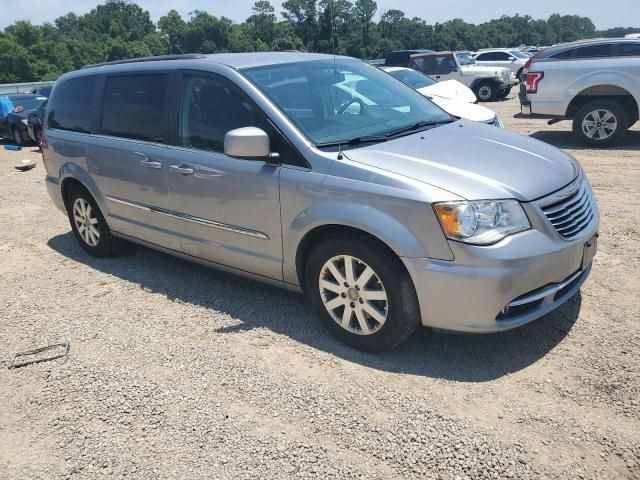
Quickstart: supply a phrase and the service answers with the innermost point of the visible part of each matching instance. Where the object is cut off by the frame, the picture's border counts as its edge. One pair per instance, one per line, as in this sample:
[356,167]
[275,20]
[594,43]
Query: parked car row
[593,83]
[450,95]
[487,82]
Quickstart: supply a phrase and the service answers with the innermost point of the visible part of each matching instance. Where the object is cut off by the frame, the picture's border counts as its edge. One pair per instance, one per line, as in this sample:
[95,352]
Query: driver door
[226,210]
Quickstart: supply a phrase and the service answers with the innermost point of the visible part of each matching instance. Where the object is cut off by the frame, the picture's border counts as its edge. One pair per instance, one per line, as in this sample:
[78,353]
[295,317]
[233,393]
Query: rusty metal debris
[63,352]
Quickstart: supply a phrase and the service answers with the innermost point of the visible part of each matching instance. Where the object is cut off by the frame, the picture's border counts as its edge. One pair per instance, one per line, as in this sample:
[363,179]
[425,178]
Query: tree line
[119,29]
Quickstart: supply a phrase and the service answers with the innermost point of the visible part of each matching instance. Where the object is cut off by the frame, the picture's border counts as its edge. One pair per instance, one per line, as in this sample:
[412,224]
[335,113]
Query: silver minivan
[325,175]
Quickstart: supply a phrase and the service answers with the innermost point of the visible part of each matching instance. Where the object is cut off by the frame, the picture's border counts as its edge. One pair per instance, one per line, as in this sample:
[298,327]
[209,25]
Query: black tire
[595,110]
[106,243]
[503,93]
[402,310]
[17,137]
[486,91]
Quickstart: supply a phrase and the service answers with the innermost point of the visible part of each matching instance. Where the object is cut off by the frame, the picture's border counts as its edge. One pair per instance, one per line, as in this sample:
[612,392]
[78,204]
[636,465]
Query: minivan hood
[474,161]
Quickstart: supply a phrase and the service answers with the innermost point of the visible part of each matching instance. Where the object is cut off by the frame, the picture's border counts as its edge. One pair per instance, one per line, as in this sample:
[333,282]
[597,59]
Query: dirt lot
[177,371]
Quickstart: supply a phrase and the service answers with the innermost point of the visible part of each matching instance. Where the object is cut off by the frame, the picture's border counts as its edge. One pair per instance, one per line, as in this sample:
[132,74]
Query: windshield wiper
[355,141]
[415,126]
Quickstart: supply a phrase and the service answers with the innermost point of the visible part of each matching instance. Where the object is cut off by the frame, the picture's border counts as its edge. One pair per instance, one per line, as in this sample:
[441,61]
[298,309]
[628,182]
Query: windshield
[412,78]
[334,105]
[465,58]
[518,54]
[27,103]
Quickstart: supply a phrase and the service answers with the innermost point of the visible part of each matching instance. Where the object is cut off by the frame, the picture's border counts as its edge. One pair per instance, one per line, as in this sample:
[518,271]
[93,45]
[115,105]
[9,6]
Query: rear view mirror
[247,143]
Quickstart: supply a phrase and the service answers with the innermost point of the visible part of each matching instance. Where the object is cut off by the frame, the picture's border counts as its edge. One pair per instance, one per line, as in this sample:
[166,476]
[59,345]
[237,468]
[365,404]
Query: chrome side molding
[190,218]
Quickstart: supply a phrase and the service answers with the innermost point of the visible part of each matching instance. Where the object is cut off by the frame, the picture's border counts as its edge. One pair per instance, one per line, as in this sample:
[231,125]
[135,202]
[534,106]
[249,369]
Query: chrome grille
[571,215]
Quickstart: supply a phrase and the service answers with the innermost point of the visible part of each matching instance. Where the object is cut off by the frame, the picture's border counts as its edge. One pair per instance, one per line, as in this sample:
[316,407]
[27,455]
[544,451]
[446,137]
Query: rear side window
[70,106]
[594,51]
[589,51]
[629,49]
[134,106]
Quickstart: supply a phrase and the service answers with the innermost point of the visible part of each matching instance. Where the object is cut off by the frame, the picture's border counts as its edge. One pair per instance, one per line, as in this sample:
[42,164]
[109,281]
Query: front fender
[377,223]
[362,217]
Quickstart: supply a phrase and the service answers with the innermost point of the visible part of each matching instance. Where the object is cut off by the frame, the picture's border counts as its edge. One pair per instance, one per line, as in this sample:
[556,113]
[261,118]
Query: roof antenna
[335,70]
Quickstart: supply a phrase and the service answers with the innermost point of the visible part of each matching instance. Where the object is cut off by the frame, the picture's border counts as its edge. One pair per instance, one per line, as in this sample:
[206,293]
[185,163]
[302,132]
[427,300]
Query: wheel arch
[608,91]
[71,174]
[315,235]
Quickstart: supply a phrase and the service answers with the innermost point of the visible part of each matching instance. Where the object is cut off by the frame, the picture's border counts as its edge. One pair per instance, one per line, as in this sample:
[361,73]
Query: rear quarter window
[70,105]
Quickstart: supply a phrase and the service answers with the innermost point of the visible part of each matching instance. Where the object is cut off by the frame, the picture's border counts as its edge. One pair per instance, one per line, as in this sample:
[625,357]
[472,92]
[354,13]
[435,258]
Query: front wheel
[504,93]
[17,137]
[600,123]
[361,292]
[486,91]
[88,224]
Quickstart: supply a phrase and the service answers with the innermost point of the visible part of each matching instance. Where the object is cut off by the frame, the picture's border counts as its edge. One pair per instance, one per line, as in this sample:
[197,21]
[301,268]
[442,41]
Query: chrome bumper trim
[547,292]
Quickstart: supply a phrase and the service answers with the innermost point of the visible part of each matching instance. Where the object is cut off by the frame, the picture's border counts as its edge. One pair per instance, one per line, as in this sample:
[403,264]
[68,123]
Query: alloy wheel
[599,124]
[86,222]
[353,295]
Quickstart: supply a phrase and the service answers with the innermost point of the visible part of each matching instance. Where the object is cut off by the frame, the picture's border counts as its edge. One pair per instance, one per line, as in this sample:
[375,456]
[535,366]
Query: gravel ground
[177,371]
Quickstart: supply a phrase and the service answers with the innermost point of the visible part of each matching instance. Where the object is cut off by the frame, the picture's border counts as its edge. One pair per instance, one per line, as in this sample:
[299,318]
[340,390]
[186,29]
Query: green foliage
[120,29]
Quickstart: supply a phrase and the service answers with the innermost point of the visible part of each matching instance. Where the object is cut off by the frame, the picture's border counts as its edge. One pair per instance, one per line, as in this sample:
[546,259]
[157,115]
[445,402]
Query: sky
[618,13]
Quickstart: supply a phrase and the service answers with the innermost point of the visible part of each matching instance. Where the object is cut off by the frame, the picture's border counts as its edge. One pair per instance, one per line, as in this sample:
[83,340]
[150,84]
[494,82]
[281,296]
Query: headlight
[482,222]
[25,121]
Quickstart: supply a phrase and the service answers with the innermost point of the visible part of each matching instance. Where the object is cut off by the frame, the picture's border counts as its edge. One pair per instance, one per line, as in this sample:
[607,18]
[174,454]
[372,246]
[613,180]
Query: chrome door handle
[150,164]
[182,170]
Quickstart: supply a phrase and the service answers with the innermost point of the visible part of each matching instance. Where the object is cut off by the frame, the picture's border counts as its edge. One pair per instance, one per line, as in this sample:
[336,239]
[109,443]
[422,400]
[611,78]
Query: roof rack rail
[185,56]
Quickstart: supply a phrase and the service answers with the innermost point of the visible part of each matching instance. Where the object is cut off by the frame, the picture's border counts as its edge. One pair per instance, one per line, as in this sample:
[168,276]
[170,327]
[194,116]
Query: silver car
[388,213]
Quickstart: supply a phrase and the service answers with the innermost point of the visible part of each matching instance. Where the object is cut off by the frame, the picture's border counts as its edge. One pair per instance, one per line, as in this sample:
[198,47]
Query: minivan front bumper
[500,287]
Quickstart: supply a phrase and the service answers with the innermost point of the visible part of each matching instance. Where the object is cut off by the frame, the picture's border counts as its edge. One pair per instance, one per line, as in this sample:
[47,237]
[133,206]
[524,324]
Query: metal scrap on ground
[60,354]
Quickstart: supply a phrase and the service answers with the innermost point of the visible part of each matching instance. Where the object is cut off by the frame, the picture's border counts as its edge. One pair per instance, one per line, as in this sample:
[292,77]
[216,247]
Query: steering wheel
[345,105]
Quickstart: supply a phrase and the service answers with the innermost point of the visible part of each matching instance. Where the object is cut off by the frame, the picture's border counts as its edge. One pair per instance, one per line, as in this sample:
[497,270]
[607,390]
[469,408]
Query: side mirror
[248,143]
[513,59]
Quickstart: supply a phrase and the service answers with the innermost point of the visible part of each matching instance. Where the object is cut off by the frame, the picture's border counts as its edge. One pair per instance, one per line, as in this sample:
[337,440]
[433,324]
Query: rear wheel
[486,91]
[600,123]
[88,224]
[361,292]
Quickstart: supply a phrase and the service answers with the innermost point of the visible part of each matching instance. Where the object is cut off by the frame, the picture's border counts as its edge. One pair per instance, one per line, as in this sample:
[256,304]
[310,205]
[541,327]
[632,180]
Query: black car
[35,119]
[14,126]
[44,91]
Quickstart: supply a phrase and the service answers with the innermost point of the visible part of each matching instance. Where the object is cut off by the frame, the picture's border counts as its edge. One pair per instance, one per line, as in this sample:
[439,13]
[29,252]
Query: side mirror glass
[247,143]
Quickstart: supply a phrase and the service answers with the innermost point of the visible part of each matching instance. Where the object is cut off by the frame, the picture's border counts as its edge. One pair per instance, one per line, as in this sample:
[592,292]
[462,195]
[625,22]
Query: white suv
[510,58]
[595,83]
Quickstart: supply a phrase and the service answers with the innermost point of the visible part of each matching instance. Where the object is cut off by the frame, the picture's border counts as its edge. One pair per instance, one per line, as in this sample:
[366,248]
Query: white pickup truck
[595,83]
[488,83]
